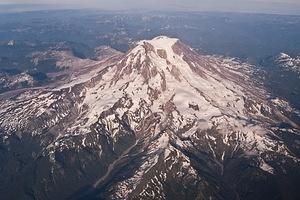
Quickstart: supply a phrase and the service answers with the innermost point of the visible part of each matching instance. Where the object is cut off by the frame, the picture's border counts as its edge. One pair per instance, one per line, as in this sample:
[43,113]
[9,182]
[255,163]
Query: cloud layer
[263,6]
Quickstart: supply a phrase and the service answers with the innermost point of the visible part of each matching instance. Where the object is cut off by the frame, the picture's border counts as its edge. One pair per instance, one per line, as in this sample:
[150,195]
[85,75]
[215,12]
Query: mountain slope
[160,122]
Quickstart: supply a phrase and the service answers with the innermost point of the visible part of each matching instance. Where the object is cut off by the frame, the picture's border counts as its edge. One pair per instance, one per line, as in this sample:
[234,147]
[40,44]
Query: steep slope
[161,122]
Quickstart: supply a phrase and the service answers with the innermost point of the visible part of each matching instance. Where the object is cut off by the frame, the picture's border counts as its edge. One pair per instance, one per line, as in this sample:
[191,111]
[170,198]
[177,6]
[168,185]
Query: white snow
[266,167]
[213,99]
[289,63]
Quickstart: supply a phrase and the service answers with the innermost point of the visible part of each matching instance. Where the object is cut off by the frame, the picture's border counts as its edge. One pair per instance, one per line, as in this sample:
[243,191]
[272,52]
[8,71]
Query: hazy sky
[263,6]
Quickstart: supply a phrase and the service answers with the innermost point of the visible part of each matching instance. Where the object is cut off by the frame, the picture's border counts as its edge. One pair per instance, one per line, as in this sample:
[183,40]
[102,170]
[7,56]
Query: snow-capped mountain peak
[178,113]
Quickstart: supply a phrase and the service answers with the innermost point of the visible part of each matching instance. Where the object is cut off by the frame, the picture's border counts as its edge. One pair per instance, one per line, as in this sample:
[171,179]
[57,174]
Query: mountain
[158,122]
[289,63]
[11,82]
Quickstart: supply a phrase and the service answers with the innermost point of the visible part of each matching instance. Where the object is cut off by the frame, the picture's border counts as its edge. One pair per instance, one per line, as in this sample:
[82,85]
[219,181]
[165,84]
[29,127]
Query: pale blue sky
[262,6]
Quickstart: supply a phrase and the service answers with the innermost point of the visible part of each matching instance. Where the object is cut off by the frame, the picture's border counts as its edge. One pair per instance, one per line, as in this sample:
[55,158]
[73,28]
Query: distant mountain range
[18,7]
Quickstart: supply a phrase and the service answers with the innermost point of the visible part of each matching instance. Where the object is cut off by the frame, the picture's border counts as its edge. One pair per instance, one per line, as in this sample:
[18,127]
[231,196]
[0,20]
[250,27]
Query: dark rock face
[160,122]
